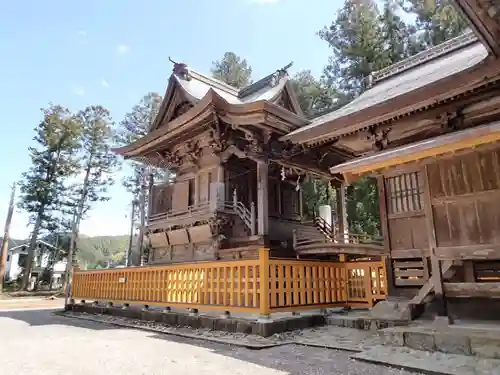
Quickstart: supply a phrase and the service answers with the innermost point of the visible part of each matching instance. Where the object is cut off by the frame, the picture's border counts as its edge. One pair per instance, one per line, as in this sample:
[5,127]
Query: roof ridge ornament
[280,74]
[180,69]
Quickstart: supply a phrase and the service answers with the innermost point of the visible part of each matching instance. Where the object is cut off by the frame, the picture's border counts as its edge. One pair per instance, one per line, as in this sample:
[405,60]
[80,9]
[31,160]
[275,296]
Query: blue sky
[76,53]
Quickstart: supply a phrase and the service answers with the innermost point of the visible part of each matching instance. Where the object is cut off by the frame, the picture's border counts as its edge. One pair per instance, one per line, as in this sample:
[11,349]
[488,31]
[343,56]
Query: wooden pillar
[384,223]
[437,276]
[341,210]
[262,199]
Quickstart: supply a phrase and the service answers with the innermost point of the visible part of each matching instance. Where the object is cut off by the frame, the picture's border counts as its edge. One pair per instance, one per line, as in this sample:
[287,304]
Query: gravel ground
[36,342]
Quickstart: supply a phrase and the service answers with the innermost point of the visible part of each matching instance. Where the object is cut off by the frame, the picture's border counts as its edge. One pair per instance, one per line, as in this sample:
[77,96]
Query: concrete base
[264,328]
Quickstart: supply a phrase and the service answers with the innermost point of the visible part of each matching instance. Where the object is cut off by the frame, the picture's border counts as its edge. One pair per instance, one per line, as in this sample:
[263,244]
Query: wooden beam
[471,252]
[468,290]
[428,287]
[384,223]
[485,27]
[262,199]
[433,147]
[437,272]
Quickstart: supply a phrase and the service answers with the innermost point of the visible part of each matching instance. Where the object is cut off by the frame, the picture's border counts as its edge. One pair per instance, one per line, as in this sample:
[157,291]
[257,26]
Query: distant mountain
[99,250]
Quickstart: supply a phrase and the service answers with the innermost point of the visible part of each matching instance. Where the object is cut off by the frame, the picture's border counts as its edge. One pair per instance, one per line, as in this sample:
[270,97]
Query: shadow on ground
[44,317]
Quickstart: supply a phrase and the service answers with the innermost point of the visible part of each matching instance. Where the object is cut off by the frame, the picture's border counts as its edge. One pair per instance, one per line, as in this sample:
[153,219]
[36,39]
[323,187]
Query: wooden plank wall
[406,227]
[464,191]
[465,198]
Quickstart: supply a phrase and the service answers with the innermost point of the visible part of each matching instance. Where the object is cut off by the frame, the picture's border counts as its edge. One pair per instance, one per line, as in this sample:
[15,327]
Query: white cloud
[82,37]
[104,83]
[78,91]
[122,49]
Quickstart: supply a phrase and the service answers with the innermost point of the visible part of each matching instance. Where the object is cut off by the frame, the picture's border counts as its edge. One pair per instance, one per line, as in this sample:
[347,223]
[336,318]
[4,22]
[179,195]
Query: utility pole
[5,241]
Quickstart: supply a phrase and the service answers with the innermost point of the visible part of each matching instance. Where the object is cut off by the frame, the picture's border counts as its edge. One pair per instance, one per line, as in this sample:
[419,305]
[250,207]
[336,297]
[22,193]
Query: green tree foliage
[232,70]
[314,95]
[53,160]
[96,160]
[355,38]
[135,125]
[436,21]
[96,163]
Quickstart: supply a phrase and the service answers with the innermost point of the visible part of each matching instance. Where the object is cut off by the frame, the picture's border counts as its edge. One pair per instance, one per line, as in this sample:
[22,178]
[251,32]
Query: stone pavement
[366,345]
[326,337]
[430,362]
[39,342]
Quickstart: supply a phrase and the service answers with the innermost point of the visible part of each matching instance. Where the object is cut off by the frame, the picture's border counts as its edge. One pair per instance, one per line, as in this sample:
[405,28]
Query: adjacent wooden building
[428,131]
[237,186]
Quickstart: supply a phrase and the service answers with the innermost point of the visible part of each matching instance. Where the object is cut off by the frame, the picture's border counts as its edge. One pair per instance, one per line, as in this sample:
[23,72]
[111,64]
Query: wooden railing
[259,286]
[238,208]
[322,232]
[191,211]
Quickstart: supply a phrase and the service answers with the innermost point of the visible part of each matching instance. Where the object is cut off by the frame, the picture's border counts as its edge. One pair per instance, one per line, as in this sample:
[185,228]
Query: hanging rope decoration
[297,187]
[283,174]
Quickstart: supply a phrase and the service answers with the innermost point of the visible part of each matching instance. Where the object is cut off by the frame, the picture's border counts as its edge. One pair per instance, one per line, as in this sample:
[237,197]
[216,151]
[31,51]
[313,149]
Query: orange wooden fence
[260,285]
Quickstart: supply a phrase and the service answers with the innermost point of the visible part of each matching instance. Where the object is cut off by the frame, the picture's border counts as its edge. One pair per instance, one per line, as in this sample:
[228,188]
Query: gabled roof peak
[423,57]
[181,71]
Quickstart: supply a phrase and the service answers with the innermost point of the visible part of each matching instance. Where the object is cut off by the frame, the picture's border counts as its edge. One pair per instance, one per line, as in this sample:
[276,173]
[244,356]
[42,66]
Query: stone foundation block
[420,341]
[487,347]
[454,344]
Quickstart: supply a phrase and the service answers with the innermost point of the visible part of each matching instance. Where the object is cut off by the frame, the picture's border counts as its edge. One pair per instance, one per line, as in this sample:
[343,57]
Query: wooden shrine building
[237,185]
[428,129]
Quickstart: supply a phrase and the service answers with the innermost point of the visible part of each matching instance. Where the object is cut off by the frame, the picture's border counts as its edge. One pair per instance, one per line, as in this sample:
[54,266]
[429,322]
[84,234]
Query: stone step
[364,322]
[429,363]
[471,342]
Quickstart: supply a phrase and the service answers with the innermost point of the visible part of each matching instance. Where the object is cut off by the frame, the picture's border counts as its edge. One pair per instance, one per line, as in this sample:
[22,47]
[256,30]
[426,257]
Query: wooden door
[407,227]
[180,196]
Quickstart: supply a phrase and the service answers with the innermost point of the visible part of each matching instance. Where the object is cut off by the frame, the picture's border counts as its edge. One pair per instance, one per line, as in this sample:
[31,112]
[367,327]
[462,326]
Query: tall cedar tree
[436,21]
[364,40]
[97,164]
[43,186]
[232,70]
[135,125]
[314,95]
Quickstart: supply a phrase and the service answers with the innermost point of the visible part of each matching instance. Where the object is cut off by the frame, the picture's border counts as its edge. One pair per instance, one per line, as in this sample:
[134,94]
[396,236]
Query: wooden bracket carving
[219,136]
[193,152]
[451,120]
[379,138]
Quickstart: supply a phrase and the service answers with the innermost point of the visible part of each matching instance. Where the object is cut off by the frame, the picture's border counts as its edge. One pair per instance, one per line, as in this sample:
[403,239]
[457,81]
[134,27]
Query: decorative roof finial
[283,71]
[180,69]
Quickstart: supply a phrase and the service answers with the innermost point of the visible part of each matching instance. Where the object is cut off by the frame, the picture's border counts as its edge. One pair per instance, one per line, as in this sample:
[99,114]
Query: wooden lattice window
[405,193]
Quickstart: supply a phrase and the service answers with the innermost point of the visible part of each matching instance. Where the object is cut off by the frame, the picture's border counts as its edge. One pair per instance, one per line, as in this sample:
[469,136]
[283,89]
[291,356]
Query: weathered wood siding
[464,199]
[465,194]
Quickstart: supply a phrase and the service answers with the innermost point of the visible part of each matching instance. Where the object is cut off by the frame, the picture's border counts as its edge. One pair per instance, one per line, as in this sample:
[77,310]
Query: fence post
[264,282]
[368,284]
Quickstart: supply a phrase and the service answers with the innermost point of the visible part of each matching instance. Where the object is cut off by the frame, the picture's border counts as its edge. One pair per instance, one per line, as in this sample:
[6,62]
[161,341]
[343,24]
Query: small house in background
[16,258]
